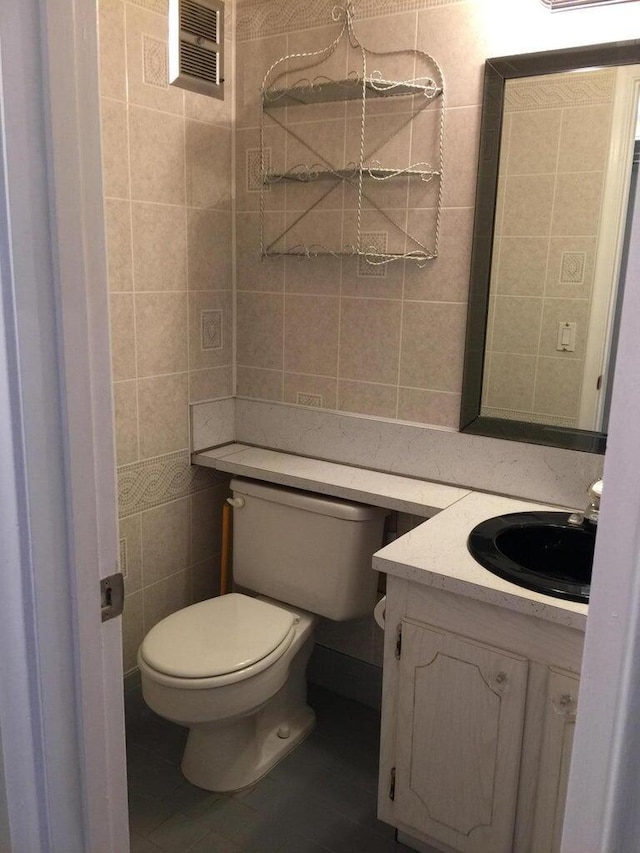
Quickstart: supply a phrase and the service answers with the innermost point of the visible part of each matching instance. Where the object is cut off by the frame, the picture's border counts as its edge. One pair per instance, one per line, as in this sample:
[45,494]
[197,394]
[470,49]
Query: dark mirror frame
[497,72]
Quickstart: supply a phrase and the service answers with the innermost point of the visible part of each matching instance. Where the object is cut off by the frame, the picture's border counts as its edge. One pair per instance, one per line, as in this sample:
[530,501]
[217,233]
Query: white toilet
[232,668]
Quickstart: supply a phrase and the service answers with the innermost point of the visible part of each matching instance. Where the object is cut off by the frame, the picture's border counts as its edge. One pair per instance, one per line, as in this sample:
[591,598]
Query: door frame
[62,721]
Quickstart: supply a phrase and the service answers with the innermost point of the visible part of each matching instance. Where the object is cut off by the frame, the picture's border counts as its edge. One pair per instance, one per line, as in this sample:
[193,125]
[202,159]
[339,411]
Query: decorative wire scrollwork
[280,97]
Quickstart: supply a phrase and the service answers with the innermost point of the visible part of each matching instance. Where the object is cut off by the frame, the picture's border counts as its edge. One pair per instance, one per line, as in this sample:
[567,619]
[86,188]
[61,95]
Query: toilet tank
[307,550]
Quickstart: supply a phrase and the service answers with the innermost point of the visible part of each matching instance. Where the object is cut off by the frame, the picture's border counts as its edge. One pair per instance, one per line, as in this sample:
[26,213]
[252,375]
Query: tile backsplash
[167,185]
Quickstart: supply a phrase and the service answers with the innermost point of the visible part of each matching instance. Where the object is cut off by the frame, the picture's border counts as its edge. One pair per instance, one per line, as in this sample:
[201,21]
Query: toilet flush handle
[237,503]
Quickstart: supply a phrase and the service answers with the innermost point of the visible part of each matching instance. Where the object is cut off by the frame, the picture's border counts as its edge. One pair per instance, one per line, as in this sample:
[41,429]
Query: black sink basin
[537,550]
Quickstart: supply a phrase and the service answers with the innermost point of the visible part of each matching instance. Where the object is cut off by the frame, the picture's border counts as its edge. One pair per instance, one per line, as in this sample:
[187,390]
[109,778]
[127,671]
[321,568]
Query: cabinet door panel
[460,723]
[555,759]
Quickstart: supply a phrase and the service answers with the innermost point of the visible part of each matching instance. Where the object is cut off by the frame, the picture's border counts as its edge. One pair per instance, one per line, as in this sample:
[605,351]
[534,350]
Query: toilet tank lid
[216,637]
[310,501]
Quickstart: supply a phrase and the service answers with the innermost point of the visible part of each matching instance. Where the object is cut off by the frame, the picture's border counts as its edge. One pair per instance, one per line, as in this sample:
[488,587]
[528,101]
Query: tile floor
[321,799]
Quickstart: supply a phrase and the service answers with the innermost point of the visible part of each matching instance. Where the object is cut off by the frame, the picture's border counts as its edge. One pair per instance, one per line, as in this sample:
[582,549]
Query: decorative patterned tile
[372,241]
[572,267]
[144,485]
[211,329]
[154,62]
[554,91]
[254,169]
[304,399]
[160,6]
[123,557]
[261,18]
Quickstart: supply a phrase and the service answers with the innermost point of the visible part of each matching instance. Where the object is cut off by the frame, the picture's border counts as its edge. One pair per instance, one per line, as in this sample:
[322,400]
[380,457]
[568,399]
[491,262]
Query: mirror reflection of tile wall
[553,156]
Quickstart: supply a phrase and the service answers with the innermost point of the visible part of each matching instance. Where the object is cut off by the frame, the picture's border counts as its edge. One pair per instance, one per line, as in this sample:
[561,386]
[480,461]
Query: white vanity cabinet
[478,711]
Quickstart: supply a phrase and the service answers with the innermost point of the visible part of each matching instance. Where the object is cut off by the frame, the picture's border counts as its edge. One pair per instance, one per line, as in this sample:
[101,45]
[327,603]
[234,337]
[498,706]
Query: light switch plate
[566,337]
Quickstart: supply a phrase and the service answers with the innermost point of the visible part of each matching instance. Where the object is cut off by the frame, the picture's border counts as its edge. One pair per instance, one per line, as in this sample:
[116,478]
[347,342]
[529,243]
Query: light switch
[567,337]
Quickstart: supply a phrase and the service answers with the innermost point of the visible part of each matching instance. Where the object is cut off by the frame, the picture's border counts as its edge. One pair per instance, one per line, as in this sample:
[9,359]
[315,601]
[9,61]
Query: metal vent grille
[196,46]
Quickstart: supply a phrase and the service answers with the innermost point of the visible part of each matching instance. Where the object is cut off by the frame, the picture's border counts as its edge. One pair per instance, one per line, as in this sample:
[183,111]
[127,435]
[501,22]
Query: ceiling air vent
[196,46]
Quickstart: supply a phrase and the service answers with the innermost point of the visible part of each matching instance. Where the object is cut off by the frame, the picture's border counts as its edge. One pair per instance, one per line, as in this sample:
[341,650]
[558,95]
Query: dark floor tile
[214,843]
[146,813]
[302,845]
[231,818]
[141,845]
[150,775]
[178,834]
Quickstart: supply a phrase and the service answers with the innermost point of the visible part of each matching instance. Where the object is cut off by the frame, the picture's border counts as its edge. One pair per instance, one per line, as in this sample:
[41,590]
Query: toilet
[232,669]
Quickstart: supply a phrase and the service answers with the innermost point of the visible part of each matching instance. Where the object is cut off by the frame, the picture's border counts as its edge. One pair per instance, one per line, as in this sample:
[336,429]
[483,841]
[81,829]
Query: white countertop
[436,554]
[391,491]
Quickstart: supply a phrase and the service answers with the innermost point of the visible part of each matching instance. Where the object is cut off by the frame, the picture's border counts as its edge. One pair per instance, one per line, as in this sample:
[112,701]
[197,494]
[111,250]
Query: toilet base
[230,755]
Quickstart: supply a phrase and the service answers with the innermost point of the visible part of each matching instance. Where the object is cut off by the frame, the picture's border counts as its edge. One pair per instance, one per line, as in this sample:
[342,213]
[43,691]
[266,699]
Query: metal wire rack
[383,189]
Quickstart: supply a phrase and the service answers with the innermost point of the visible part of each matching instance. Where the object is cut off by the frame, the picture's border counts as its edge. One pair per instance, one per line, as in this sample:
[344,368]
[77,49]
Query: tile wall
[331,333]
[167,187]
[554,150]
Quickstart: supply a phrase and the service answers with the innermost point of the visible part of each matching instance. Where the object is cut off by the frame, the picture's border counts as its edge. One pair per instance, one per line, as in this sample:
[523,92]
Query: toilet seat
[219,641]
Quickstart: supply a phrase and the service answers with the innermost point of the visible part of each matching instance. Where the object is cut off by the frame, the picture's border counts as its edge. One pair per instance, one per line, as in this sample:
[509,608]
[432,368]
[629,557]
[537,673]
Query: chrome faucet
[592,512]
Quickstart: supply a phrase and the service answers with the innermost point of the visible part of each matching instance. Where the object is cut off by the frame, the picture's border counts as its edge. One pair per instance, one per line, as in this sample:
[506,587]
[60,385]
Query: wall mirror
[557,184]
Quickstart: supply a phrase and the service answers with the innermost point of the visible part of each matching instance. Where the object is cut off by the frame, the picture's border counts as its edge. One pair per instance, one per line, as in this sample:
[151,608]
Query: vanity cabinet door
[555,758]
[460,724]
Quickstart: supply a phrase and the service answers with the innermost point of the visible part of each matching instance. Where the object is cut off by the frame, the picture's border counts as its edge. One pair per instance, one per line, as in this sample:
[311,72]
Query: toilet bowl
[250,710]
[232,668]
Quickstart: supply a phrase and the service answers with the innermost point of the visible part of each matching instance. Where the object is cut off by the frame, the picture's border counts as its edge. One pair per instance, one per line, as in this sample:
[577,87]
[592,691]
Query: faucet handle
[595,491]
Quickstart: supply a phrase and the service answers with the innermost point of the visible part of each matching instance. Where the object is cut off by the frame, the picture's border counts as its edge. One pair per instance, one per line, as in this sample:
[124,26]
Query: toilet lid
[216,637]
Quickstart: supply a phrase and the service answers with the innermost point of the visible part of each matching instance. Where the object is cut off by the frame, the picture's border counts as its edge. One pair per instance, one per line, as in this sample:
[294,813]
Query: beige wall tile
[205,579]
[210,383]
[576,209]
[159,247]
[367,398]
[118,236]
[252,271]
[209,249]
[259,384]
[147,62]
[462,134]
[166,540]
[317,391]
[516,324]
[206,522]
[115,149]
[163,414]
[208,151]
[130,535]
[557,311]
[165,597]
[311,334]
[533,143]
[125,396]
[433,345]
[447,277]
[558,386]
[368,280]
[260,330]
[157,156]
[584,141]
[435,408]
[132,630]
[521,266]
[249,164]
[113,83]
[511,382]
[528,205]
[161,333]
[370,340]
[461,58]
[204,108]
[312,275]
[123,342]
[253,60]
[210,329]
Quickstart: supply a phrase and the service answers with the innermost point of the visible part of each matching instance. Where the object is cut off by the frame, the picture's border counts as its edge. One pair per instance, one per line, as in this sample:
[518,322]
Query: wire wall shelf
[357,156]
